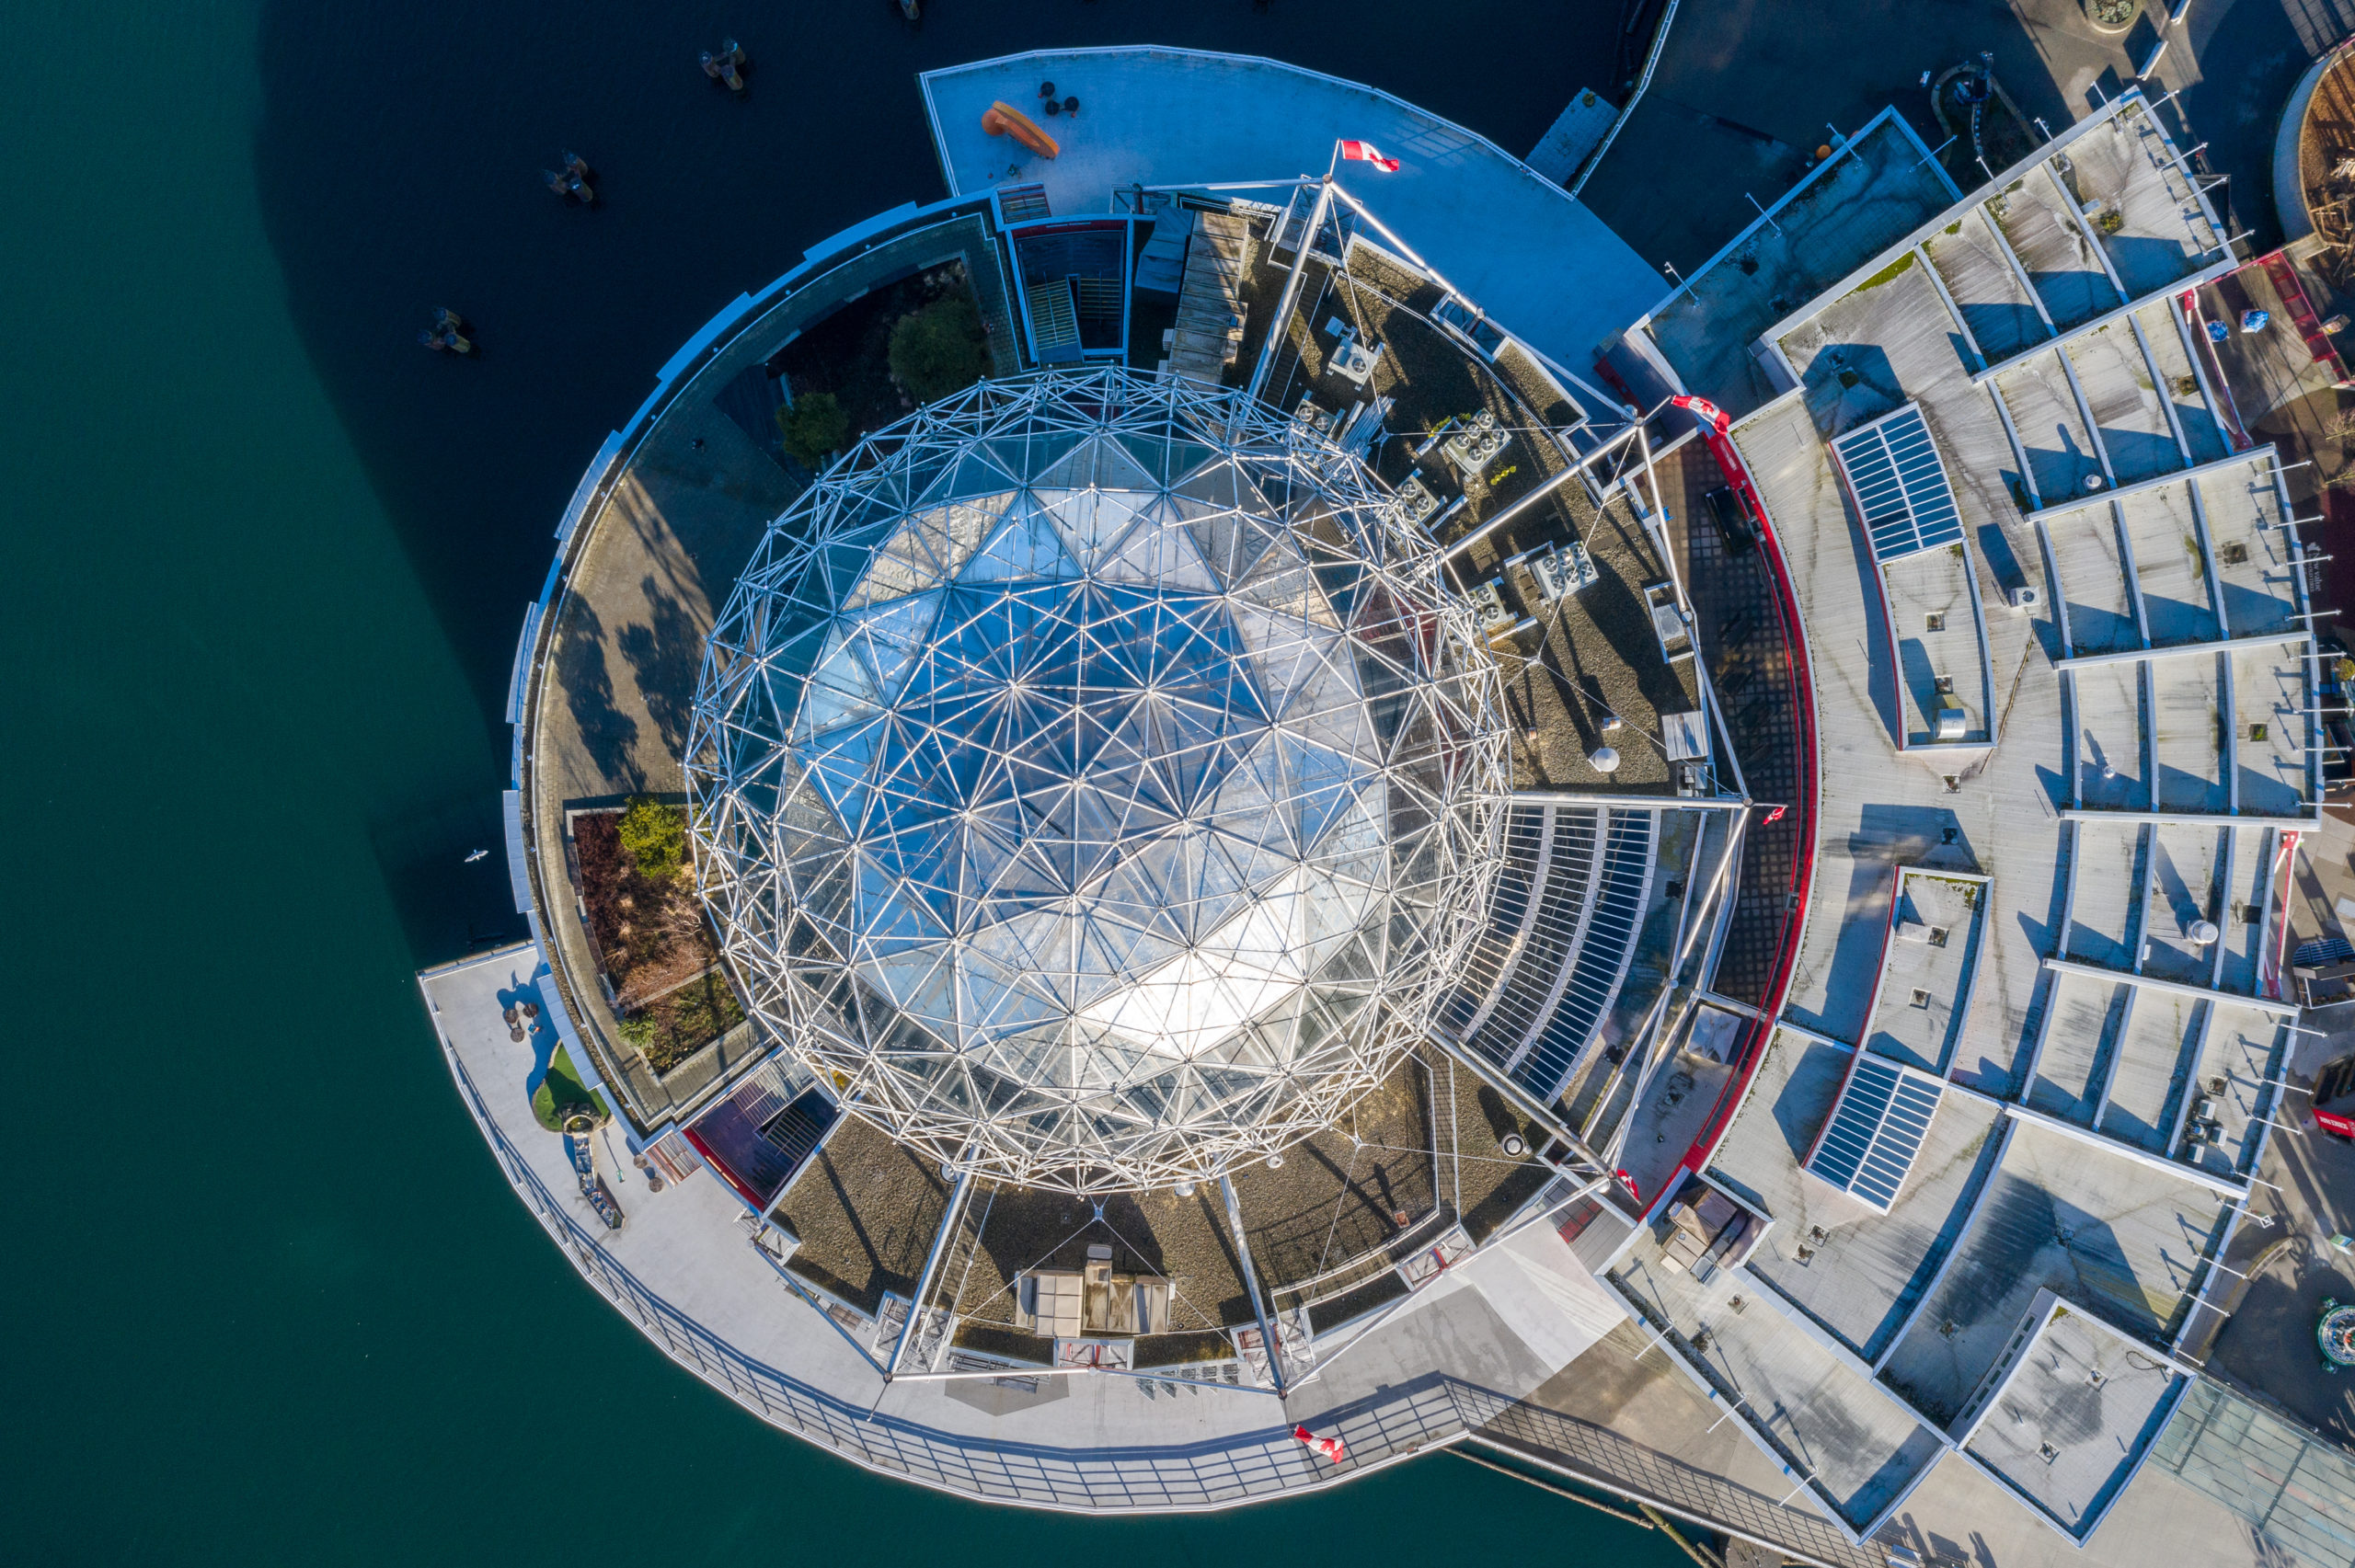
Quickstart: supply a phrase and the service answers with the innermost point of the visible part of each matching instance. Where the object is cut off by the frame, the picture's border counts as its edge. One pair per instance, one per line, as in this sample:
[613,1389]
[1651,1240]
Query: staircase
[1209,333]
[1054,325]
[797,1129]
[1020,203]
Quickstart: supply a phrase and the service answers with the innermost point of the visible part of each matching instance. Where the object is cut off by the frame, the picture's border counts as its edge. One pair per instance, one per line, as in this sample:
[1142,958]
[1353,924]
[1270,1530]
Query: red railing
[1714,425]
[2301,311]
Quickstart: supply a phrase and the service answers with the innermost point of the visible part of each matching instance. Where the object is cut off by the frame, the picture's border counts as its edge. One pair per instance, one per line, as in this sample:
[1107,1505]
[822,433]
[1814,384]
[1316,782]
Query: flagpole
[1276,323]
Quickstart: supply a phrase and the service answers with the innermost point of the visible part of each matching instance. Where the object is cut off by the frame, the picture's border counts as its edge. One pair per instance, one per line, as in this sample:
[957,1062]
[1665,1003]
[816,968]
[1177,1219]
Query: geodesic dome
[1091,779]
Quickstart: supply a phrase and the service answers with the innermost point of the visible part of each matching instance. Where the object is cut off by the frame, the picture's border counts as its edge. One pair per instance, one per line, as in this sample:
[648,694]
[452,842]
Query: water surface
[269,1299]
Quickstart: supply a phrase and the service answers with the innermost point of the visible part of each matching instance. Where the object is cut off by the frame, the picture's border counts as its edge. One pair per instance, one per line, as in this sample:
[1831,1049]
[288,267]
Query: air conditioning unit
[2026,597]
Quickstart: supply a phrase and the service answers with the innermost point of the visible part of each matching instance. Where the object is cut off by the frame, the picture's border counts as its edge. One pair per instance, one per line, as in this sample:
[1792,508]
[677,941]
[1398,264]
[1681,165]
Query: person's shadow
[539,1032]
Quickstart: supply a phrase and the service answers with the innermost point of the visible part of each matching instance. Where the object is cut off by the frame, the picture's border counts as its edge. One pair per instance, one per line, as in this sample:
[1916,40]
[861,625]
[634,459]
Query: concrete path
[681,1268]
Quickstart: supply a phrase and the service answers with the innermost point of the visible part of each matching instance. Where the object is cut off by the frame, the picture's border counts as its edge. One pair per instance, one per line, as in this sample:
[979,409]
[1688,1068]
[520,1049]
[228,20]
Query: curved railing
[604,472]
[1799,664]
[1267,1462]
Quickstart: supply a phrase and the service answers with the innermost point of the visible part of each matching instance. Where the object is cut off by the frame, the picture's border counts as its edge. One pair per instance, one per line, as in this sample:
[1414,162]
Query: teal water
[266,1297]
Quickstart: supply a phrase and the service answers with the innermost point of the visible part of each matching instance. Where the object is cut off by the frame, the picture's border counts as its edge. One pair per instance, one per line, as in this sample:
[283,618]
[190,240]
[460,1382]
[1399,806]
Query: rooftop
[1167,117]
[2076,1407]
[2052,930]
[1878,184]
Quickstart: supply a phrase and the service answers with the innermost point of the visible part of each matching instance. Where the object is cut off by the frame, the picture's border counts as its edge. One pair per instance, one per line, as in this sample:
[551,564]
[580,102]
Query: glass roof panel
[1093,784]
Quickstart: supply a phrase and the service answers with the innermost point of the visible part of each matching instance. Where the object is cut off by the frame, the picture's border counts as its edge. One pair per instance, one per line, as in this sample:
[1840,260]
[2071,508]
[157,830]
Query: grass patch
[1894,269]
[562,1090]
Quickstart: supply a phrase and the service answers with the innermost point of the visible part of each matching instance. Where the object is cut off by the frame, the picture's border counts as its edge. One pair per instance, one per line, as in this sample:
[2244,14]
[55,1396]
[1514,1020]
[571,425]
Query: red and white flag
[1366,152]
[1331,1447]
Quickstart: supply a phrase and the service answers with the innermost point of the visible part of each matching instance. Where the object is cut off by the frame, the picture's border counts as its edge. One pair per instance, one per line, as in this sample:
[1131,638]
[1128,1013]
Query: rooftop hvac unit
[1488,602]
[2026,597]
[1562,570]
[1351,359]
[1356,361]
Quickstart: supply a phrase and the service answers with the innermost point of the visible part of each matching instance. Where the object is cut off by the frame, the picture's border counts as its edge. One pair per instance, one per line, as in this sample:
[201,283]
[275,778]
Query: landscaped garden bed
[879,358]
[660,959]
[673,1026]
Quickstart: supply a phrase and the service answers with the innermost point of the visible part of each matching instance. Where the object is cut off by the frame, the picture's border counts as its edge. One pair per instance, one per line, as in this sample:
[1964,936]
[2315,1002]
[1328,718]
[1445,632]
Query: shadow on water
[398,163]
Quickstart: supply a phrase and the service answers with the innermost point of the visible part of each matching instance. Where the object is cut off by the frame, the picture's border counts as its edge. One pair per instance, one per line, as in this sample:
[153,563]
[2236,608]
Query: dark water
[266,1298]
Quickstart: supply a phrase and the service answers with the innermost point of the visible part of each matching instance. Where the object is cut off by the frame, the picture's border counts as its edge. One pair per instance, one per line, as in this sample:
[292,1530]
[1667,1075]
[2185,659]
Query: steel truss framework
[1091,778]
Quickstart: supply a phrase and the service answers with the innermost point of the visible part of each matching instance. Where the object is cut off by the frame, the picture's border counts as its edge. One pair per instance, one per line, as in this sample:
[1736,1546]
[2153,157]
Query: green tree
[939,349]
[814,429]
[654,836]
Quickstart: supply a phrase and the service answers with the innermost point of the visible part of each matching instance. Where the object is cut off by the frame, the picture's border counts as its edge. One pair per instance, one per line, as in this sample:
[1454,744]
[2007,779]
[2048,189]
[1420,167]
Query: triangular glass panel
[1025,546]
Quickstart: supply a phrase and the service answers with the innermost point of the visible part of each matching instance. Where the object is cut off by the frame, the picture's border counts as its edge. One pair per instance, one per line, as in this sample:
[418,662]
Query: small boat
[477,856]
[447,335]
[1002,118]
[728,66]
[593,1189]
[573,183]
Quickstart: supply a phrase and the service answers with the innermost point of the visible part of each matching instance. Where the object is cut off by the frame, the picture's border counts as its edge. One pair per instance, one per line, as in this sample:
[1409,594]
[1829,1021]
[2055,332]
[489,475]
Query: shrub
[654,836]
[814,429]
[938,350]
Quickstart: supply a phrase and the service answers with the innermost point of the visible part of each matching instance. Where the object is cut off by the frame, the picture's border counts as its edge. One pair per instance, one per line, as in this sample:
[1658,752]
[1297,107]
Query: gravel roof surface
[859,1248]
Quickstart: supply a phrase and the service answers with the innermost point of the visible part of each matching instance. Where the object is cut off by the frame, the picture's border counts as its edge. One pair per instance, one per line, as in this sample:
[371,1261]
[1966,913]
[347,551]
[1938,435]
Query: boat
[577,1128]
[728,66]
[573,182]
[447,335]
[1002,118]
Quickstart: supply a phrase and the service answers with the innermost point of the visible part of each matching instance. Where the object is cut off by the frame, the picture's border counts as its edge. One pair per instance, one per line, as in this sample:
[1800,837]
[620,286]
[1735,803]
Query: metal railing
[1268,1462]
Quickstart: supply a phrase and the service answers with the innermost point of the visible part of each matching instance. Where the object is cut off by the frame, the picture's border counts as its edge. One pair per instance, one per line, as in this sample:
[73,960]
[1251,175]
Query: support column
[1251,1283]
[1276,328]
[949,1222]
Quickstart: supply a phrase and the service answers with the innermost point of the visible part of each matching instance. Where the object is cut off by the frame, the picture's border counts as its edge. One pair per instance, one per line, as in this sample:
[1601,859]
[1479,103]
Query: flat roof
[1513,240]
[1878,184]
[1856,1444]
[1922,999]
[2098,1230]
[2073,1416]
[1856,1272]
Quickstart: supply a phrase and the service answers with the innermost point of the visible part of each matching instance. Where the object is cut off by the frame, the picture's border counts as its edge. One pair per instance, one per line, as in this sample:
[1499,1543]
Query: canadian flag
[1366,152]
[1331,1447]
